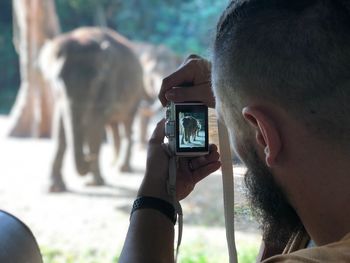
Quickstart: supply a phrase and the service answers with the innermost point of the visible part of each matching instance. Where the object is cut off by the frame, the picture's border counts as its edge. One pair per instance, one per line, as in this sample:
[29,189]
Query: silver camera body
[186,128]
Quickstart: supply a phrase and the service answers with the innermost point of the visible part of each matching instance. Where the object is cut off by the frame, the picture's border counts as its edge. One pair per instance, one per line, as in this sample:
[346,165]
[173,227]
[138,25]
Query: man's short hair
[293,53]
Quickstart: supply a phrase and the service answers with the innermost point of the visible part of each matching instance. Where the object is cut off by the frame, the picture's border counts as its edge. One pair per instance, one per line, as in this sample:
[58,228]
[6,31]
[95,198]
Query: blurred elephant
[158,62]
[98,82]
[190,127]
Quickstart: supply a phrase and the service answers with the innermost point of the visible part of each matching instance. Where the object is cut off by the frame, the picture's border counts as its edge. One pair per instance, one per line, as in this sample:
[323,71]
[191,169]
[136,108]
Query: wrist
[154,188]
[157,204]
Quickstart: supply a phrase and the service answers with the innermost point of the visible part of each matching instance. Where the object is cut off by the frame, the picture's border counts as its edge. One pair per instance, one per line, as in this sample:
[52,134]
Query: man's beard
[269,203]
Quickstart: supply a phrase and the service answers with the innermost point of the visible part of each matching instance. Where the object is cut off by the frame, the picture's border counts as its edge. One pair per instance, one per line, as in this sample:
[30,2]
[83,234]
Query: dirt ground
[96,218]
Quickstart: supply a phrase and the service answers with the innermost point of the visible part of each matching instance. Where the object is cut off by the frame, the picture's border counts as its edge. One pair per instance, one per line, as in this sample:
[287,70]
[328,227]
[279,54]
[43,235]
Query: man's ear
[267,133]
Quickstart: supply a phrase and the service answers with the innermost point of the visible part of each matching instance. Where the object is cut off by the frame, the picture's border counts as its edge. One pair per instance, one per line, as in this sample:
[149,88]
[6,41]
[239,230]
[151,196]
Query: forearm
[150,238]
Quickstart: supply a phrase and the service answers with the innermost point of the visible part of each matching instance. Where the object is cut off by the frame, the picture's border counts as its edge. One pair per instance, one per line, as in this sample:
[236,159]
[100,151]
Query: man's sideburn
[269,203]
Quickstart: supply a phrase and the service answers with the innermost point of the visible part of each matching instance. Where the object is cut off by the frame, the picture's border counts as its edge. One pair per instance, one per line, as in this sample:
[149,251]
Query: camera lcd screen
[191,128]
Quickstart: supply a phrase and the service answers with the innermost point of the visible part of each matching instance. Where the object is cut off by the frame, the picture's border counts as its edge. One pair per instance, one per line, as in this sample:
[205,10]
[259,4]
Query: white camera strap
[171,188]
[228,190]
[176,203]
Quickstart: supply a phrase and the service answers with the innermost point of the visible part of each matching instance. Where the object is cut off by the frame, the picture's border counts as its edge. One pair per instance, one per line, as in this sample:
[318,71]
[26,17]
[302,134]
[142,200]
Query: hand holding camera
[191,82]
[186,121]
[190,170]
[195,73]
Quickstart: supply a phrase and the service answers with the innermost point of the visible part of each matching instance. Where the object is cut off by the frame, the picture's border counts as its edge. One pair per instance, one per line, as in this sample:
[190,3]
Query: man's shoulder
[335,252]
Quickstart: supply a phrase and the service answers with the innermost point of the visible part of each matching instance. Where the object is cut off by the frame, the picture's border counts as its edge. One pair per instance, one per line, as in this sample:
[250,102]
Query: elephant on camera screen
[190,127]
[98,82]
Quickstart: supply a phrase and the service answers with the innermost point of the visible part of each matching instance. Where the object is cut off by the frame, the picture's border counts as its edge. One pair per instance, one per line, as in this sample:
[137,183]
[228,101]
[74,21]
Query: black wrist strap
[158,204]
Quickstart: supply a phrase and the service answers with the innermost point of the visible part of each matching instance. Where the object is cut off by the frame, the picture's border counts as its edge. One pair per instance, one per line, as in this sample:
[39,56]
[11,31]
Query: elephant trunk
[78,138]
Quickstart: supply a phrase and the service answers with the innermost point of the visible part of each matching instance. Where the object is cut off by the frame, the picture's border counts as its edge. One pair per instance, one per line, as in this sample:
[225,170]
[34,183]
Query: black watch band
[158,204]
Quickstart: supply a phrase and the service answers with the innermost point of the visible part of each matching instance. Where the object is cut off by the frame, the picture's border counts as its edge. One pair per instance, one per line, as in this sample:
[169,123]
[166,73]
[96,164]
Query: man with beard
[280,75]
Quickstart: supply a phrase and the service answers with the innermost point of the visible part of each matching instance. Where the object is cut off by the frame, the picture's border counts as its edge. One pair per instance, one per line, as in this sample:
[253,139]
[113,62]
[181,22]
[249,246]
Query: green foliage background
[9,69]
[186,26]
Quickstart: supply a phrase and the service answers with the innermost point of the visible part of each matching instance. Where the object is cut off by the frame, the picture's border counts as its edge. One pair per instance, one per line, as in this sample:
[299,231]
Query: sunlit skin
[154,184]
[142,239]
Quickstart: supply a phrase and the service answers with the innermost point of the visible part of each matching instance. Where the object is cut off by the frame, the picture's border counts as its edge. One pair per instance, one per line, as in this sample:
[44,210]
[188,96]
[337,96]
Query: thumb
[158,133]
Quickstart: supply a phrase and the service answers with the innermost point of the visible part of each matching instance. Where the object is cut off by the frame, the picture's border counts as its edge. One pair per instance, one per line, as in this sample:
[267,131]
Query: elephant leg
[181,134]
[116,139]
[128,134]
[56,180]
[95,139]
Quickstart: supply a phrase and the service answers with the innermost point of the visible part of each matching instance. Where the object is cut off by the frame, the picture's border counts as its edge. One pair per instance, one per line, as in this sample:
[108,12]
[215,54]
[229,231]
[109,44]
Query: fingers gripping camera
[187,128]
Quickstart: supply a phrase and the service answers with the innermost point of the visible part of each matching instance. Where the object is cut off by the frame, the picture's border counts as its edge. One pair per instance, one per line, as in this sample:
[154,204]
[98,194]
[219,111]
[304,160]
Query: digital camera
[186,128]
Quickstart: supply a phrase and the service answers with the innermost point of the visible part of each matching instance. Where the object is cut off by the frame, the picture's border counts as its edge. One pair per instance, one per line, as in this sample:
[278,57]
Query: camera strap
[228,189]
[171,188]
[172,192]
